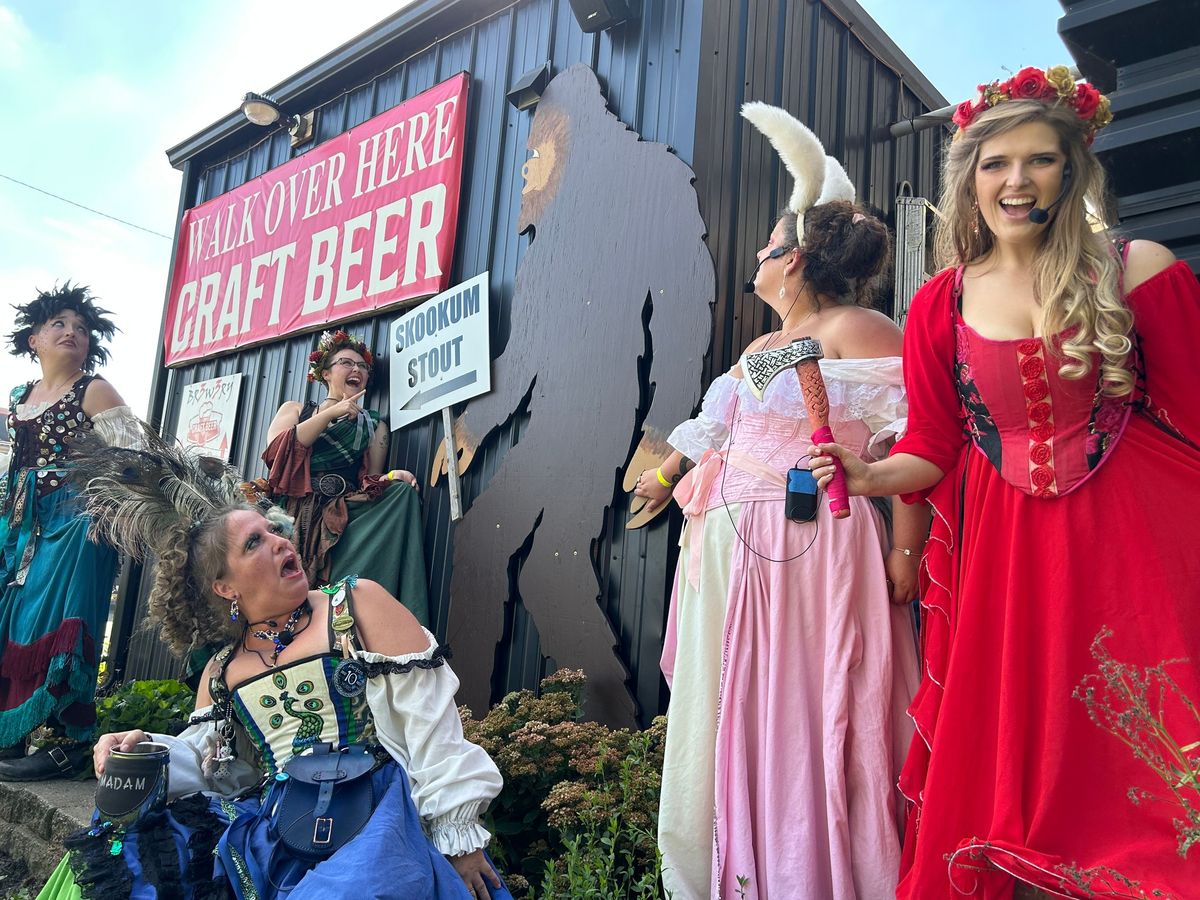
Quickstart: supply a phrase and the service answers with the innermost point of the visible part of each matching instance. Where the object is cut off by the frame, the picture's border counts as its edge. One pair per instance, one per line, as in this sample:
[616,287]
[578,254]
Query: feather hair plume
[818,178]
[136,498]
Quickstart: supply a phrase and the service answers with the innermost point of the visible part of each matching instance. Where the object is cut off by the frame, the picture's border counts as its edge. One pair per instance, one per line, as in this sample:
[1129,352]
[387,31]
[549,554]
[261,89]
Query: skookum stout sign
[364,221]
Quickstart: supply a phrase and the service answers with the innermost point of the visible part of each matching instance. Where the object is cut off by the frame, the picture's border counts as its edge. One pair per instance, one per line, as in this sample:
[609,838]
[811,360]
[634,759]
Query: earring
[975,218]
[783,292]
[233,610]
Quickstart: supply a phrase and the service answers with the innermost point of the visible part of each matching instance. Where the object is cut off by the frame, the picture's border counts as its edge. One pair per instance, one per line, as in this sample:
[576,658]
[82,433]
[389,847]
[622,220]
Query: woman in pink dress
[789,669]
[1053,424]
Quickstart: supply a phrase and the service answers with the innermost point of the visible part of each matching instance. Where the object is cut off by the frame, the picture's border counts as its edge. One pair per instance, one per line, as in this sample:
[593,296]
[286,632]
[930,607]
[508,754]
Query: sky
[93,92]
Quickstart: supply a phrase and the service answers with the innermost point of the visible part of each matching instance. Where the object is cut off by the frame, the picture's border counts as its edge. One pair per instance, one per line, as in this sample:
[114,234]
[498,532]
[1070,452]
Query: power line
[81,206]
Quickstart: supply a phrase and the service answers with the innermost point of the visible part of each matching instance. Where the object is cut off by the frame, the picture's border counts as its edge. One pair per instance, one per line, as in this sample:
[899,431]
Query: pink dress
[789,669]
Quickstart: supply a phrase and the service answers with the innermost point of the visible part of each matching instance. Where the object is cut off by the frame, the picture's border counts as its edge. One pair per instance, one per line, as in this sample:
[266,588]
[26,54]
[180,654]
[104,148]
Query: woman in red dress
[1054,425]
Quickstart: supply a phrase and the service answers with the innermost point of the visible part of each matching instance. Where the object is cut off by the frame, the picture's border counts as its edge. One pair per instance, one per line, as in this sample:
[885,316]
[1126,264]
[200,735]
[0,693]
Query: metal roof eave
[397,27]
[371,42]
[859,21]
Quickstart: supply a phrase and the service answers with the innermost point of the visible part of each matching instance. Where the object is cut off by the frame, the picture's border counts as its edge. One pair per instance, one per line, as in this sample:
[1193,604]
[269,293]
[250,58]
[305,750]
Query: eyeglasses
[349,364]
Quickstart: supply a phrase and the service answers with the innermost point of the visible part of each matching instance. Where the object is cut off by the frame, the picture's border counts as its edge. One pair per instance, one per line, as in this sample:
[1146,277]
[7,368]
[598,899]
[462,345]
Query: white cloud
[90,231]
[15,39]
[101,99]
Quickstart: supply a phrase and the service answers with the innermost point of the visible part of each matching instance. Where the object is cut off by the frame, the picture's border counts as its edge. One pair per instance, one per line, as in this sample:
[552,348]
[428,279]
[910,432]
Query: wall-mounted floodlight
[262,110]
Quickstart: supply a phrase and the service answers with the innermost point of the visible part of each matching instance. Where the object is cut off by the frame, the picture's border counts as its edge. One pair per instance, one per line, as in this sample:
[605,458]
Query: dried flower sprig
[1147,710]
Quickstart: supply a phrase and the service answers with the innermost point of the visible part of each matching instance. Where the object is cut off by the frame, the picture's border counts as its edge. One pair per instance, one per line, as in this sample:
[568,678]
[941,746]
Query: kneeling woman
[289,683]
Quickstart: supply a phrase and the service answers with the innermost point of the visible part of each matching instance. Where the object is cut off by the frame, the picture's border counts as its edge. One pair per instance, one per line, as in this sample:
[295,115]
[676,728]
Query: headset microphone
[748,287]
[1040,216]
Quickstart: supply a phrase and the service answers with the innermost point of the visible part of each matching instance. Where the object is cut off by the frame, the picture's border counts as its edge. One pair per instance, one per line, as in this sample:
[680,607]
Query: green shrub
[579,810]
[609,830]
[159,706]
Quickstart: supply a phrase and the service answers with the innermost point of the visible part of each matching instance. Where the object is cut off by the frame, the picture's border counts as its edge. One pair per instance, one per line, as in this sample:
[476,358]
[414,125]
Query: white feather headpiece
[819,178]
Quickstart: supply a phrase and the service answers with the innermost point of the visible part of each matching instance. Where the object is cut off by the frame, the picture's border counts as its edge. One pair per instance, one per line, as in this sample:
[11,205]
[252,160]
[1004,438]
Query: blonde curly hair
[1076,274]
[182,602]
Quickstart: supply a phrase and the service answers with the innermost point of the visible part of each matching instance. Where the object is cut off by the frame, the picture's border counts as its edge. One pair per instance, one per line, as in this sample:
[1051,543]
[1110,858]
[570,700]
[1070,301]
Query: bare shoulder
[860,333]
[384,625]
[100,396]
[1145,259]
[286,418]
[758,343]
[289,408]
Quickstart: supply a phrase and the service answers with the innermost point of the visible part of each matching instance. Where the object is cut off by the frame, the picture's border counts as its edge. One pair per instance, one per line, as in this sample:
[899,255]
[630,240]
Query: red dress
[1060,518]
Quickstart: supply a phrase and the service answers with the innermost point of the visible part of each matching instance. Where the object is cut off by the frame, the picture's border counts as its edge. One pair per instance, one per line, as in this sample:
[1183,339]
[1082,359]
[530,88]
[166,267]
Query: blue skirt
[171,855]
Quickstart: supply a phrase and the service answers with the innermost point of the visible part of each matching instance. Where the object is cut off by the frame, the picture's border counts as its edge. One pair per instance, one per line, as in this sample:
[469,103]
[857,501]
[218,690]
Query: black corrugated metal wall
[1145,54]
[653,70]
[823,63]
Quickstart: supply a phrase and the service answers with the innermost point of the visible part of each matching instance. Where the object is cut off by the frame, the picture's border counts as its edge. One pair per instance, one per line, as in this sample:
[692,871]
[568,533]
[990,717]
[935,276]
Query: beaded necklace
[282,637]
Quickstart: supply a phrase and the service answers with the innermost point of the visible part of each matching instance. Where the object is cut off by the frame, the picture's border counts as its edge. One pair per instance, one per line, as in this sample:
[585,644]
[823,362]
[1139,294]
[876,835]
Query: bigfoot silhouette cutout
[611,314]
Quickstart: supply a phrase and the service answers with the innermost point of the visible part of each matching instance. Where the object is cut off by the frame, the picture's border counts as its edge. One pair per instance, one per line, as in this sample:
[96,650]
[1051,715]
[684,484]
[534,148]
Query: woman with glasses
[327,468]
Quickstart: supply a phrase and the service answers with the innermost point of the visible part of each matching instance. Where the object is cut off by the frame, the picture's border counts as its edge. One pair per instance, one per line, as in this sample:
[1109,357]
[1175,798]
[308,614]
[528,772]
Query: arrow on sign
[421,398]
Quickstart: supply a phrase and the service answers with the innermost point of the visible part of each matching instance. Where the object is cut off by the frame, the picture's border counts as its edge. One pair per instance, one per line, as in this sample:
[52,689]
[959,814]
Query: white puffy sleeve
[710,429]
[192,752]
[872,391]
[119,427]
[416,719]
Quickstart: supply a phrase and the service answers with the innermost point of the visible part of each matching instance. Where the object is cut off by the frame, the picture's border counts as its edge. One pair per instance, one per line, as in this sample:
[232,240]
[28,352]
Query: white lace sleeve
[871,391]
[416,719]
[191,751]
[119,427]
[710,429]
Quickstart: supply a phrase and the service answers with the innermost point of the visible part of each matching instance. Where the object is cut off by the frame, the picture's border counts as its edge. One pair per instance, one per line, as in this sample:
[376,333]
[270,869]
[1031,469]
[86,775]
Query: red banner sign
[364,221]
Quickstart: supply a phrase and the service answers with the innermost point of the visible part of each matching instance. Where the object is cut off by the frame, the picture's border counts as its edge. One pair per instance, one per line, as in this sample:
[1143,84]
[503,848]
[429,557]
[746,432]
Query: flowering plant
[330,343]
[580,800]
[1052,86]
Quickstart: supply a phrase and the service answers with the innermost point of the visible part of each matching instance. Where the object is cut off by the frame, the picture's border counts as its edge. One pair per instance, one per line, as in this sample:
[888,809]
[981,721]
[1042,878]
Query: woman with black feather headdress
[56,584]
[345,669]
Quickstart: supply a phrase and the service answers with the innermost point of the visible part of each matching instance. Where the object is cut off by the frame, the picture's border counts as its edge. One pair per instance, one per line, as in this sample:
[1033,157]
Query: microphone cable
[729,446]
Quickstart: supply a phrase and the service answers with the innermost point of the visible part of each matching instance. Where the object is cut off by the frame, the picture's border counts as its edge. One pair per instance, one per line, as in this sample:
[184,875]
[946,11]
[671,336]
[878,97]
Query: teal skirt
[57,588]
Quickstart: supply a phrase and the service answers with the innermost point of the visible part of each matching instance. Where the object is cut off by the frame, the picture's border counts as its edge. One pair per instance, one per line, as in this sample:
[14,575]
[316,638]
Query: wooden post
[452,466]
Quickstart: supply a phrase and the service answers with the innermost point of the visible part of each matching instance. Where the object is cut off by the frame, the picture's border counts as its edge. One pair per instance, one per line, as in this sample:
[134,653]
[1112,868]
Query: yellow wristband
[661,480]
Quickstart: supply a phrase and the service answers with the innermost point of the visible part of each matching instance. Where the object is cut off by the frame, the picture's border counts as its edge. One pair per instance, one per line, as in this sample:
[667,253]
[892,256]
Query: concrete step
[35,817]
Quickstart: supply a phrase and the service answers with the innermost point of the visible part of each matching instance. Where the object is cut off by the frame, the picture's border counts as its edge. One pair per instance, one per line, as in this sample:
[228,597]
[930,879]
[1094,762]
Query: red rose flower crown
[330,343]
[1054,86]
